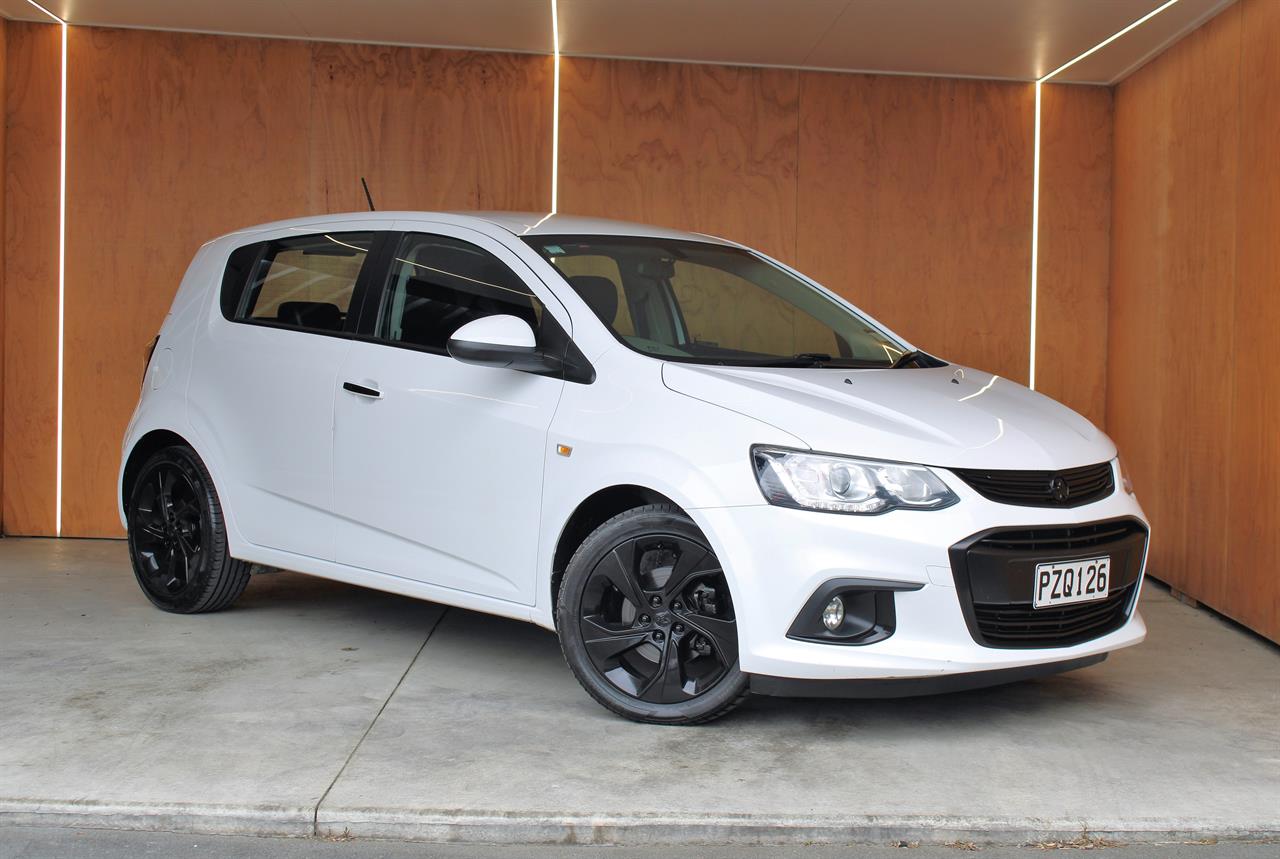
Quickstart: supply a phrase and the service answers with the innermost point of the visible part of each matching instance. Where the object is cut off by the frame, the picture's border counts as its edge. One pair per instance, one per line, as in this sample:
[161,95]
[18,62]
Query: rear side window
[438,284]
[305,282]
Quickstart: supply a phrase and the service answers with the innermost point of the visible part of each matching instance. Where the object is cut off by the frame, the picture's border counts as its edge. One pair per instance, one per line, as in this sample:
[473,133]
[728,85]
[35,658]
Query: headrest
[600,294]
[319,315]
[418,287]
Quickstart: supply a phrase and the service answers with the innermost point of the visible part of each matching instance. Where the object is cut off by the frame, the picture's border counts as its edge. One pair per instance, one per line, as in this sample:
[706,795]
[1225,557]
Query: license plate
[1067,582]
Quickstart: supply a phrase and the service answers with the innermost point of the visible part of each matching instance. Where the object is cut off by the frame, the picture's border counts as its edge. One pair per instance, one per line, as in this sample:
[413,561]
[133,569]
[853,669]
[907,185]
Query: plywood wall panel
[915,203]
[173,139]
[1075,246]
[706,148]
[1251,578]
[1194,279]
[3,54]
[30,286]
[430,129]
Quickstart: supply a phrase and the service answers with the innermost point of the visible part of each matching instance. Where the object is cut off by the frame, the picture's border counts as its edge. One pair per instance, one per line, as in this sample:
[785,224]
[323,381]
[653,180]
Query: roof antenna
[367,195]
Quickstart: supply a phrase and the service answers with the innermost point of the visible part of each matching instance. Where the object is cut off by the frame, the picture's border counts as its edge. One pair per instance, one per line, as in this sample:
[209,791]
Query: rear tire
[646,620]
[177,537]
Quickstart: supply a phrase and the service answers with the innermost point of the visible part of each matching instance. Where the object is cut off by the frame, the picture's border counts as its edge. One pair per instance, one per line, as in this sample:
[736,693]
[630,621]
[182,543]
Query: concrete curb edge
[608,829]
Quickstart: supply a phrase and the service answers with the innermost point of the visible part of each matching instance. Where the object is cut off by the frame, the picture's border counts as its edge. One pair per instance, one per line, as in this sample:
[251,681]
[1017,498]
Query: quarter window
[305,282]
[438,284]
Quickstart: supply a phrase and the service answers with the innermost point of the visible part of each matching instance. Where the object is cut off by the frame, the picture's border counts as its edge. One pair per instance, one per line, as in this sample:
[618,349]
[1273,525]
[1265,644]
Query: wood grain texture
[33,78]
[1252,576]
[4,51]
[706,148]
[173,139]
[1075,246]
[430,129]
[1193,310]
[176,138]
[915,203]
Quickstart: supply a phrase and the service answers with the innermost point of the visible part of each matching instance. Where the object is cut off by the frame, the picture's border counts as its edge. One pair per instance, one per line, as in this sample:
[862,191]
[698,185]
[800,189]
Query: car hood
[947,416]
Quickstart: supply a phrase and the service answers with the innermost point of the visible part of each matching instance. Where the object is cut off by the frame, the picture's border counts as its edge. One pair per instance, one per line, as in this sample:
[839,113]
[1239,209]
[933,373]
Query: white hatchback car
[709,474]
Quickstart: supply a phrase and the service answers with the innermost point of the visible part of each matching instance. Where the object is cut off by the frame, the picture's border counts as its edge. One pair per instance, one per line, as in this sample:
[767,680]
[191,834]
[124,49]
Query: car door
[261,393]
[438,465]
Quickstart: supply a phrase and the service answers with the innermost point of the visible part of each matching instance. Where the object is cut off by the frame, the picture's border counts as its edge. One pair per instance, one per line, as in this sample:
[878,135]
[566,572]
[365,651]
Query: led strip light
[555,108]
[62,262]
[1035,174]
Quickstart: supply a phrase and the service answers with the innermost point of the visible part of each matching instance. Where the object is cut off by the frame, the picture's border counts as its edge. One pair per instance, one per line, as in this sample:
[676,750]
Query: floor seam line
[315,815]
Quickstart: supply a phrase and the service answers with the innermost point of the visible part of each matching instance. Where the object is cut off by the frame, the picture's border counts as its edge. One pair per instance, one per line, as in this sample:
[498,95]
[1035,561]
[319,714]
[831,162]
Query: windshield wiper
[806,359]
[906,358]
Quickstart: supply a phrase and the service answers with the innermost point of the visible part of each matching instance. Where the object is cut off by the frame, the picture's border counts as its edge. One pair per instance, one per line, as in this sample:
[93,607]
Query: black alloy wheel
[177,541]
[647,622]
[168,528]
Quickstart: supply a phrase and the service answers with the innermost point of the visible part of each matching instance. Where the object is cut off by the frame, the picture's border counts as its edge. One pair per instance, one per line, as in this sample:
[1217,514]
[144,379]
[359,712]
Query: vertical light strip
[62,261]
[1035,174]
[555,108]
[1035,239]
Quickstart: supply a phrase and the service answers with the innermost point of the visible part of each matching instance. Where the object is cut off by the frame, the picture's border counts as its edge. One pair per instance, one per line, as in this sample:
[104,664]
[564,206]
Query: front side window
[305,282]
[699,302]
[438,284]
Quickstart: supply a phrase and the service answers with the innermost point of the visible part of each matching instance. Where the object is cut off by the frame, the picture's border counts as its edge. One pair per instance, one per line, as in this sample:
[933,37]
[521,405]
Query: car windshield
[707,303]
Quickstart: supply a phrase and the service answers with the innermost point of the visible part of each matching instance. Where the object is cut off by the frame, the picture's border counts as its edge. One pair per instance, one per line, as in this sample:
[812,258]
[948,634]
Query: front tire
[177,538]
[646,620]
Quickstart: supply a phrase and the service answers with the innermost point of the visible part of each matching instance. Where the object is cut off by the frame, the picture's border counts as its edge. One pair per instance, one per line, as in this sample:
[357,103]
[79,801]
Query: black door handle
[362,390]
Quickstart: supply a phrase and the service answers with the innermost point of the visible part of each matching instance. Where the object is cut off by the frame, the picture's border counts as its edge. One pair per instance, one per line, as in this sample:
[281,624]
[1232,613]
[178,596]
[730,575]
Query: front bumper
[905,687]
[776,558]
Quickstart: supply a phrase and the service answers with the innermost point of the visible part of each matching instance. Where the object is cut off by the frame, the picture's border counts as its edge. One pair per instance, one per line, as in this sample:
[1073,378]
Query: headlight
[842,484]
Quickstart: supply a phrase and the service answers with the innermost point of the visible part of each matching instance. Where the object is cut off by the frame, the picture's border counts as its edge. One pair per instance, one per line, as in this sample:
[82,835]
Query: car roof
[516,223]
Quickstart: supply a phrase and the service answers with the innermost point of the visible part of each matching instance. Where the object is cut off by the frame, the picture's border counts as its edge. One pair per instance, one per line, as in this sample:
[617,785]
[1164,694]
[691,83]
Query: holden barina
[708,474]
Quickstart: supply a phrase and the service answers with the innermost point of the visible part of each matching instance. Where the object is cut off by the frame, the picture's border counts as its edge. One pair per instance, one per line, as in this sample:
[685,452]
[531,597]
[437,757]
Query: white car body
[454,487]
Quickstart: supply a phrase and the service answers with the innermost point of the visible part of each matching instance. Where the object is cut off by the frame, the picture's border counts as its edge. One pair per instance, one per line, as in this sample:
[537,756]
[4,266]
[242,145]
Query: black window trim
[365,309]
[351,324]
[578,369]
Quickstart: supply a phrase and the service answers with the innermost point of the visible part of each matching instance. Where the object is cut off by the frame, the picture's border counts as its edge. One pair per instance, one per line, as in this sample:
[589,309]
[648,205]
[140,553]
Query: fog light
[833,614]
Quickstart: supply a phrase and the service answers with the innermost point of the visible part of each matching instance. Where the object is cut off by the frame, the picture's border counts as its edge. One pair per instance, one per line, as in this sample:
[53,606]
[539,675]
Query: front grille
[995,575]
[1021,625]
[1068,488]
[1060,538]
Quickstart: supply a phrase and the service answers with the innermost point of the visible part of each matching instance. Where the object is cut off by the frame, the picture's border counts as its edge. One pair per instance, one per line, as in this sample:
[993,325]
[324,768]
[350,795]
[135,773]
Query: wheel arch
[592,512]
[143,449]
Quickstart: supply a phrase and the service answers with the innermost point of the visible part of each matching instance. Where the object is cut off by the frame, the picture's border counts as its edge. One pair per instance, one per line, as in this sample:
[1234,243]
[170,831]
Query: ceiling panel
[505,25]
[753,32]
[510,25]
[1134,48]
[260,17]
[1021,39]
[1013,39]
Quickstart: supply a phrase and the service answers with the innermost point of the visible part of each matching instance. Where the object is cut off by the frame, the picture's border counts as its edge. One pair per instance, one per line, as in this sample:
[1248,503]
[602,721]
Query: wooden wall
[909,196]
[915,203]
[175,138]
[30,297]
[1193,394]
[4,51]
[1075,246]
[912,196]
[707,148]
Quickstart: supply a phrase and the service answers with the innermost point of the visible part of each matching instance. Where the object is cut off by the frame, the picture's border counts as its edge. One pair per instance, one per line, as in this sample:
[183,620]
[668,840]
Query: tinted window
[305,282]
[598,280]
[437,284]
[708,303]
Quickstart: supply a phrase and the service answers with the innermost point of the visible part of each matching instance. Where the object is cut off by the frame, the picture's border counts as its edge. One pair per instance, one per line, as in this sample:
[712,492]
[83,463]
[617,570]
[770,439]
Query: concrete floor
[314,707]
